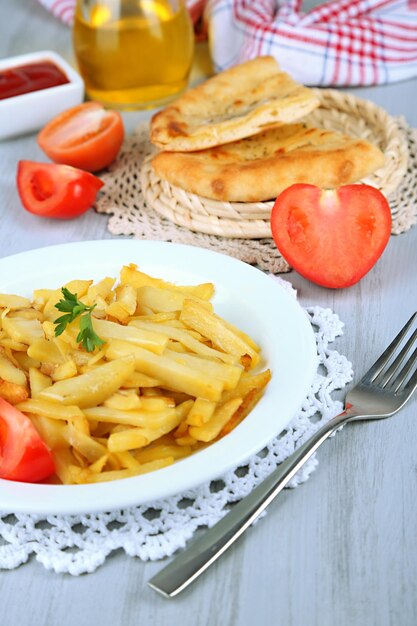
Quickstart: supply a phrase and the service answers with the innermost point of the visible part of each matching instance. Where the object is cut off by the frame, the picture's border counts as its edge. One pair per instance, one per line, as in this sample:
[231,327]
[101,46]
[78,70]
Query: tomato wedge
[56,191]
[87,136]
[23,455]
[333,237]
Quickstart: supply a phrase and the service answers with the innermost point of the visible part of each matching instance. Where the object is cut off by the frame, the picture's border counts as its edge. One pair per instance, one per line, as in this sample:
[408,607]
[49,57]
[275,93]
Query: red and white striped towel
[341,42]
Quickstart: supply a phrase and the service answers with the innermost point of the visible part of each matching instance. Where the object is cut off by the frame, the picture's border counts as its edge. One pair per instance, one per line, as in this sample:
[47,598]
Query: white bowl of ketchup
[34,88]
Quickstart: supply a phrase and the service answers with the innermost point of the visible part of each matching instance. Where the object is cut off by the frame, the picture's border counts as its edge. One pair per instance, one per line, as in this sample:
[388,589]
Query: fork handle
[203,551]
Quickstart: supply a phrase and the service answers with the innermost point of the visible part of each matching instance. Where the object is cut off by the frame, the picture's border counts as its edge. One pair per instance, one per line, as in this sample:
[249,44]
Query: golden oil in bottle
[133,54]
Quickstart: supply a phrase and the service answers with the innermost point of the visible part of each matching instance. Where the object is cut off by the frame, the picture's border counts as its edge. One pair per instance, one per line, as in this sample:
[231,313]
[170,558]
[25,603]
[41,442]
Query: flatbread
[237,103]
[258,168]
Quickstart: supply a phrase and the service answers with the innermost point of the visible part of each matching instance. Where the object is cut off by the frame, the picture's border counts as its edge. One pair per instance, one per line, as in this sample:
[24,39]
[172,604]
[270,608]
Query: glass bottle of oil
[133,54]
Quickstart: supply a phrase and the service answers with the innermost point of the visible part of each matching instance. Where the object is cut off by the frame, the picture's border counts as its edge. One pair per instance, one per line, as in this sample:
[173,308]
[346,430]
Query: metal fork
[382,391]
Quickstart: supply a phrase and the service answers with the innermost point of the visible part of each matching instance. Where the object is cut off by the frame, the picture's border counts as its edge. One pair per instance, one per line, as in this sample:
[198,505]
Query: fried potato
[93,387]
[186,339]
[201,412]
[130,275]
[213,327]
[10,373]
[152,340]
[12,302]
[161,300]
[140,418]
[12,392]
[22,330]
[172,373]
[221,416]
[165,377]
[125,304]
[45,350]
[38,381]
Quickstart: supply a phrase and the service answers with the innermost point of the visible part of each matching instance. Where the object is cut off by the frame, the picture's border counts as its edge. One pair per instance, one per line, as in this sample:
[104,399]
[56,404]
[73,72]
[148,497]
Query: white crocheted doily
[80,543]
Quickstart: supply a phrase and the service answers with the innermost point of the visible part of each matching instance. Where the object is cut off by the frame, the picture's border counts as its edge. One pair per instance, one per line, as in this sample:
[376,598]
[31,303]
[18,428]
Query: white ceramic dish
[29,112]
[244,295]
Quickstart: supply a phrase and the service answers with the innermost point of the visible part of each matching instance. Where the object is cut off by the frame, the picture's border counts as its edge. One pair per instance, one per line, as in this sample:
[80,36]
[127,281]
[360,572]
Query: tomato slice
[86,136]
[57,191]
[23,455]
[333,237]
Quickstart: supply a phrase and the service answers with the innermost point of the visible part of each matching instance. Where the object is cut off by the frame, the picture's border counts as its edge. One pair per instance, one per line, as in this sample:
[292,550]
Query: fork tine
[412,384]
[380,363]
[395,365]
[406,371]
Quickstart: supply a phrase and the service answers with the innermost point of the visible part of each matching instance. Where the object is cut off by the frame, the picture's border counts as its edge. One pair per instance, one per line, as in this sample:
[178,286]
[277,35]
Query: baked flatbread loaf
[258,168]
[237,103]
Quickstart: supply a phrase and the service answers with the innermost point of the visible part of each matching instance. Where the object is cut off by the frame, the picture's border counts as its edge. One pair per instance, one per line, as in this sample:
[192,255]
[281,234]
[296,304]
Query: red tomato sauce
[22,79]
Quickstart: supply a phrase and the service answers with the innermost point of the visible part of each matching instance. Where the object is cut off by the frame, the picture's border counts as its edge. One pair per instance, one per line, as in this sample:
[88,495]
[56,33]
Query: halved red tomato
[57,191]
[333,237]
[86,136]
[23,455]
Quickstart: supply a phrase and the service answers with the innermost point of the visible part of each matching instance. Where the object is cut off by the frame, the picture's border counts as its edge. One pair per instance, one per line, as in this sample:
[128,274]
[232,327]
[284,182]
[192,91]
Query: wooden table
[340,550]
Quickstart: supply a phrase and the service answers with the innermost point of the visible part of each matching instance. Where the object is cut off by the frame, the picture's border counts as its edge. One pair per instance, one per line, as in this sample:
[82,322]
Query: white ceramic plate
[244,295]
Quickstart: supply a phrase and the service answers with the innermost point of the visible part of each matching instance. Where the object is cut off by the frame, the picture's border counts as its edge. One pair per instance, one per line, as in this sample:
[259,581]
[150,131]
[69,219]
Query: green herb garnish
[73,308]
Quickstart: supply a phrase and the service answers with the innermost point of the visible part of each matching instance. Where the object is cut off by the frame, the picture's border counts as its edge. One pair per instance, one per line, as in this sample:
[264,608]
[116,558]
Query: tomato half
[57,191]
[23,455]
[87,136]
[333,237]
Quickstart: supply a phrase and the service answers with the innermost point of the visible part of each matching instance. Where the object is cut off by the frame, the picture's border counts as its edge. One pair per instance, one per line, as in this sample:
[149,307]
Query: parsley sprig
[73,308]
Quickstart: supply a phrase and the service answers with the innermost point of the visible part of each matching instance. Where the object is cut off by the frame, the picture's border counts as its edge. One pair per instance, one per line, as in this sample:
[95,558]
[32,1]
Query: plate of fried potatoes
[146,367]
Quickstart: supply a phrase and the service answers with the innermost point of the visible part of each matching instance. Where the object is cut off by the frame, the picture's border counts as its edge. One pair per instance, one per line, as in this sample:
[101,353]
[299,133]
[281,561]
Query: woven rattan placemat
[147,208]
